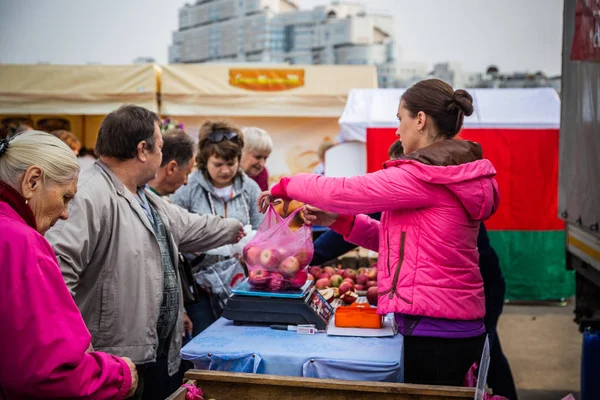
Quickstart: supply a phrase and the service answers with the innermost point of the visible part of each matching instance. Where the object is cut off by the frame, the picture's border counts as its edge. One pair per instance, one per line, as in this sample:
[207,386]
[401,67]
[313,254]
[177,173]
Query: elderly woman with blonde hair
[258,146]
[45,345]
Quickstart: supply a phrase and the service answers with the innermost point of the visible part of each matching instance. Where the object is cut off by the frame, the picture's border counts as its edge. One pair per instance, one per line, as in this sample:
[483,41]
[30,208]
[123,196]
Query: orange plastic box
[357,316]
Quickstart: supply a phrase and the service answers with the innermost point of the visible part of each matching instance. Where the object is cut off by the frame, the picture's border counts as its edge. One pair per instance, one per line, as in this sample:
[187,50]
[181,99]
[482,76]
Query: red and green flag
[525,231]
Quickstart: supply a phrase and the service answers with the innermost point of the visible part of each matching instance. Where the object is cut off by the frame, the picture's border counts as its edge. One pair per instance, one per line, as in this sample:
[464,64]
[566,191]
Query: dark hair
[178,146]
[439,101]
[123,129]
[84,151]
[227,149]
[396,150]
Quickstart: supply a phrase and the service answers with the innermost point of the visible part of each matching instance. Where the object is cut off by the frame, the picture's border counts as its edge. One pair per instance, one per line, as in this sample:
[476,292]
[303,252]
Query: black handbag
[189,288]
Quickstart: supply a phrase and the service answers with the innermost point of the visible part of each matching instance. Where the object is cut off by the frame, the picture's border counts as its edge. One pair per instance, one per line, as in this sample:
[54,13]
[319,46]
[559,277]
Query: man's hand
[134,376]
[240,235]
[188,326]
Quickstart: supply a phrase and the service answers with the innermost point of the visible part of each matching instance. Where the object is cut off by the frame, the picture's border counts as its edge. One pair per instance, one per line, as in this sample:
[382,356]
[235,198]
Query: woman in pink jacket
[45,350]
[433,201]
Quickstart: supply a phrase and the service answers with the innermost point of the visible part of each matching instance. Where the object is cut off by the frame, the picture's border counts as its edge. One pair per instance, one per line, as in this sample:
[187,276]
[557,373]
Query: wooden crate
[237,386]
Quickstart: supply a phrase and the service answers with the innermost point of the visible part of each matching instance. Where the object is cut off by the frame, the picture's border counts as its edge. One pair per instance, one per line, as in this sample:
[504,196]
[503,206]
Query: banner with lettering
[266,80]
[586,41]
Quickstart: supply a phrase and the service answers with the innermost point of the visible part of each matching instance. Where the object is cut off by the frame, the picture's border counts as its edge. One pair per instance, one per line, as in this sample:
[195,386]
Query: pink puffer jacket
[433,202]
[44,343]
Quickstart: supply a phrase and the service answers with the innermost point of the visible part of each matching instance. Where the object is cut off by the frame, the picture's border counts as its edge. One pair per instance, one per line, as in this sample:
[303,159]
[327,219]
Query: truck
[579,175]
[579,154]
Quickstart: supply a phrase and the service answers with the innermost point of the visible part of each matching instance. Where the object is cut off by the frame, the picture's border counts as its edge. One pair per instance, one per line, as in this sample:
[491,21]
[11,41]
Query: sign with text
[266,80]
[586,41]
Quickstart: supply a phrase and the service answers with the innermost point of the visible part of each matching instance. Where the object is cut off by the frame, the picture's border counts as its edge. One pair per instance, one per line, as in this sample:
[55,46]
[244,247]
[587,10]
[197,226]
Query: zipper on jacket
[393,290]
[399,267]
[388,252]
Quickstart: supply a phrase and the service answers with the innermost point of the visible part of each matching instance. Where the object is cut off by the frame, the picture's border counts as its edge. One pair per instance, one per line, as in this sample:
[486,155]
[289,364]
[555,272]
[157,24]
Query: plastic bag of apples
[277,258]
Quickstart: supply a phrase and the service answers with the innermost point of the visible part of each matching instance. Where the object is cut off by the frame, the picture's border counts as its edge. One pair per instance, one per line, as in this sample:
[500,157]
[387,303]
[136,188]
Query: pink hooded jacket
[433,201]
[43,339]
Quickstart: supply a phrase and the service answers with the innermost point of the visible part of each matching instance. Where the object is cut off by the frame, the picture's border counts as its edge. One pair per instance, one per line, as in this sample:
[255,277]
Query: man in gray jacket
[118,250]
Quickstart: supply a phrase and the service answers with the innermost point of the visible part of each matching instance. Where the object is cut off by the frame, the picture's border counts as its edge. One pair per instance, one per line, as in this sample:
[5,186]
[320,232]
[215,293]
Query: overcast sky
[515,35]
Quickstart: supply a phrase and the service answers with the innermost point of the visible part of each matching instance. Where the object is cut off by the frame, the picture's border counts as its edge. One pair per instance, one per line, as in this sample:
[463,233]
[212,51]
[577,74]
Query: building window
[213,14]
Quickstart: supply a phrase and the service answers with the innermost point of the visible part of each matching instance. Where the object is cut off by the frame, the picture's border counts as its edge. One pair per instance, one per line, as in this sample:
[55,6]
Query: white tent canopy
[75,89]
[207,89]
[494,108]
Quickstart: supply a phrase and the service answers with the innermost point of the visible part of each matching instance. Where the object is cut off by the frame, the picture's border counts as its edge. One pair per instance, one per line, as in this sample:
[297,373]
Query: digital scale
[304,306]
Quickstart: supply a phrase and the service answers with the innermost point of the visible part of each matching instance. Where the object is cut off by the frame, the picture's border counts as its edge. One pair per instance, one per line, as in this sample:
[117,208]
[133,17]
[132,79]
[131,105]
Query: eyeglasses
[217,137]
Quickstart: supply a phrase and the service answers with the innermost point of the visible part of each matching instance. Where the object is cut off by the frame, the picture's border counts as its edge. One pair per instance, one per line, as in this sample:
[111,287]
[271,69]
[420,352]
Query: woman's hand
[316,216]
[266,198]
[134,376]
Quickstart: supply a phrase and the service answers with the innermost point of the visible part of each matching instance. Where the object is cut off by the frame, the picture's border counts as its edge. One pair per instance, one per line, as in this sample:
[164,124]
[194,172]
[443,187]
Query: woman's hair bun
[464,100]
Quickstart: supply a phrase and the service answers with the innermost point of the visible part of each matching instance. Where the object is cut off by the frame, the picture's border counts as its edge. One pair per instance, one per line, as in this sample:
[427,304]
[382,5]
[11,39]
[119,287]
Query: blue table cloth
[252,349]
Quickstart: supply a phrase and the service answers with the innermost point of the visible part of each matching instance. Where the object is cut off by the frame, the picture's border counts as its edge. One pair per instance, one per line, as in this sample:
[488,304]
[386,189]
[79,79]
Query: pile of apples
[277,269]
[345,283]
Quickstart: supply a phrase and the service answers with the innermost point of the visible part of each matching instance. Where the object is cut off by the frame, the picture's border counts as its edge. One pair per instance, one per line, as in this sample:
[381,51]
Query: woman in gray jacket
[219,186]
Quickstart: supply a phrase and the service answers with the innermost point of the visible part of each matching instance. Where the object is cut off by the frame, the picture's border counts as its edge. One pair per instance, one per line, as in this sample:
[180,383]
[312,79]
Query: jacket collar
[17,202]
[113,178]
[126,194]
[443,153]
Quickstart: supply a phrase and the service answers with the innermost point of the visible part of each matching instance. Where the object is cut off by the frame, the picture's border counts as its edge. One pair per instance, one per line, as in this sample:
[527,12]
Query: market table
[256,349]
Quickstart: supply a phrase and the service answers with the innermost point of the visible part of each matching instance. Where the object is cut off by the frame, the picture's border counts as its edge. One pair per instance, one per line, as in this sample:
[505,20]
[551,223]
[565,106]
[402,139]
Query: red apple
[323,283]
[258,277]
[348,280]
[277,282]
[361,271]
[269,259]
[349,297]
[372,295]
[289,266]
[350,273]
[299,279]
[336,280]
[310,277]
[345,287]
[372,273]
[329,270]
[252,255]
[360,287]
[339,270]
[303,256]
[362,279]
[371,284]
[315,271]
[328,294]
[325,275]
[283,253]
